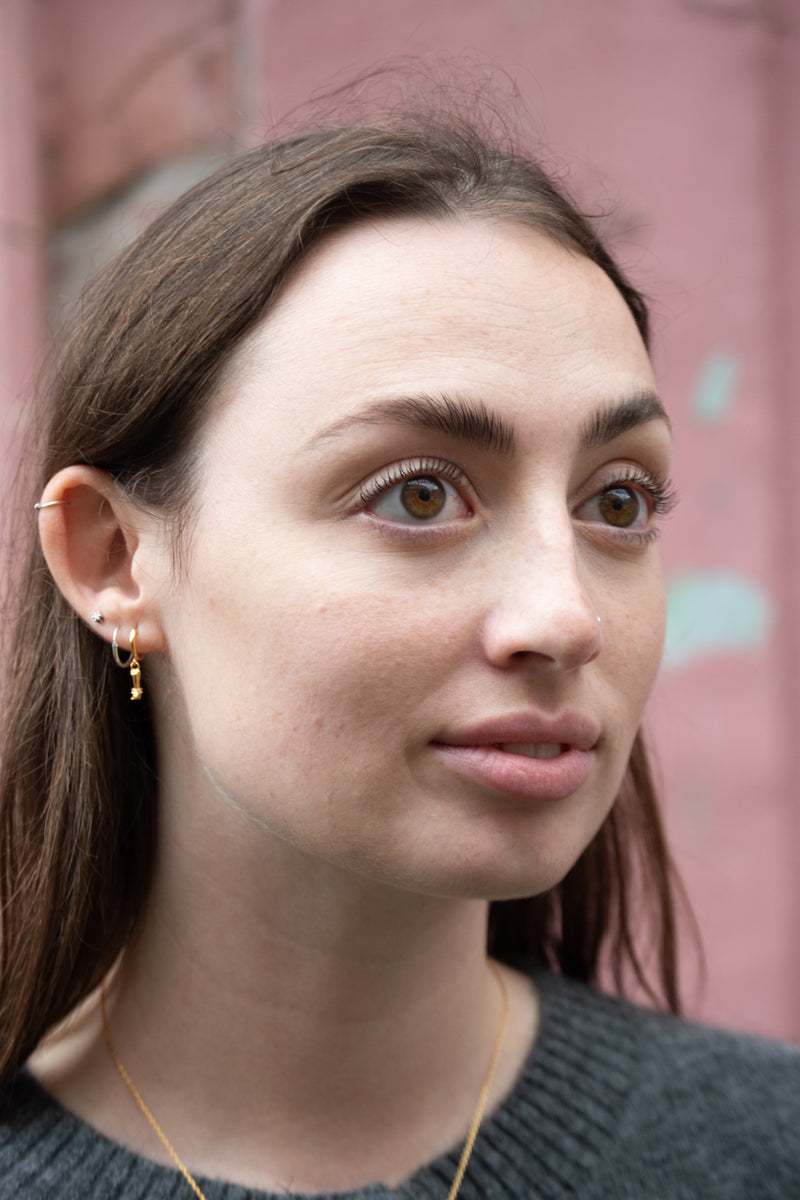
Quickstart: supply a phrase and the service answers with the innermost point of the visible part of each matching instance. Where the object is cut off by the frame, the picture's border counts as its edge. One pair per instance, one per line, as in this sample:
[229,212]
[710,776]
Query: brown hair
[79,776]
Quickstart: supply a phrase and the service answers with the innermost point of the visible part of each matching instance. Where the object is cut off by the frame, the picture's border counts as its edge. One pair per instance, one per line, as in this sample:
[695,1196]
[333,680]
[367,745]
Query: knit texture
[614,1103]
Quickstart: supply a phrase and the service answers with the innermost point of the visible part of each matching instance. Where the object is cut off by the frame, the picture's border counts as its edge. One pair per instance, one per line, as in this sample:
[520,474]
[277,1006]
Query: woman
[355,464]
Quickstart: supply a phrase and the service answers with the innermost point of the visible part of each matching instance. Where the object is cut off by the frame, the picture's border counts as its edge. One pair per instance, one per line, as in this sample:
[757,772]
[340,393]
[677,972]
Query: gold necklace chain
[468,1144]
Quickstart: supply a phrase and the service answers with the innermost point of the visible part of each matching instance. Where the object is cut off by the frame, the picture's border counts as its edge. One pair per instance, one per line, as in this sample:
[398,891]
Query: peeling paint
[714,612]
[79,250]
[715,392]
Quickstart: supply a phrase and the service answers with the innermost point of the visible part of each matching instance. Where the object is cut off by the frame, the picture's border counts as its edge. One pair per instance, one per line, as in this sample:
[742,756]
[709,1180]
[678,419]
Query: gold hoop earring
[131,663]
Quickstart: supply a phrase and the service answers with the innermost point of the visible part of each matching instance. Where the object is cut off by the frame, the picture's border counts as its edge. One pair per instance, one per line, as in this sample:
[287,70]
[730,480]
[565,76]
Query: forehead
[490,310]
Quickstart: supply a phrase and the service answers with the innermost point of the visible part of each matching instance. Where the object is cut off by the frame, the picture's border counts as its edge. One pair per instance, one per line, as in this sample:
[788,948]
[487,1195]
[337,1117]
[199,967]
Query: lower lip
[515,775]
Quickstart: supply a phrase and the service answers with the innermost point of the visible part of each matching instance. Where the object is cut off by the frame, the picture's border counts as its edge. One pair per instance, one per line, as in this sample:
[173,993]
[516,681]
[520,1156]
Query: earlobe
[91,538]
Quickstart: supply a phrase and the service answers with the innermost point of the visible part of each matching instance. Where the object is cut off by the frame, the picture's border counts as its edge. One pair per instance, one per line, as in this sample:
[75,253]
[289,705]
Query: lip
[474,753]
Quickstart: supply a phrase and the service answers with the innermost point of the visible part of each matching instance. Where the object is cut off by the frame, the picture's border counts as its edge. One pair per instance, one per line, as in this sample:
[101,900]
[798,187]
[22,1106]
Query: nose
[539,610]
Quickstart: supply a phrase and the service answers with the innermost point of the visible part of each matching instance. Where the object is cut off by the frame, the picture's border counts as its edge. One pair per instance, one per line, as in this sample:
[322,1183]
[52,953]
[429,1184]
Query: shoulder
[689,1102]
[30,1123]
[668,1048]
[46,1151]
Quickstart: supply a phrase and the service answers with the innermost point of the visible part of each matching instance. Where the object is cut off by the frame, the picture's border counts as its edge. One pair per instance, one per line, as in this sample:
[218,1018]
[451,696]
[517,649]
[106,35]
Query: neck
[353,1021]
[327,963]
[290,1023]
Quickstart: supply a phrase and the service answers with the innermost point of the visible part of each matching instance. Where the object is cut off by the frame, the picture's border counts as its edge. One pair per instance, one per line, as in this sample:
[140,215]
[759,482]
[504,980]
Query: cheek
[361,662]
[290,671]
[633,640]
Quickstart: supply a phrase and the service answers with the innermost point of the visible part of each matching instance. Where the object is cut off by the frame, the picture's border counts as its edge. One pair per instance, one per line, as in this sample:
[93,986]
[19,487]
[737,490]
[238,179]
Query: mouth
[524,757]
[540,771]
[540,750]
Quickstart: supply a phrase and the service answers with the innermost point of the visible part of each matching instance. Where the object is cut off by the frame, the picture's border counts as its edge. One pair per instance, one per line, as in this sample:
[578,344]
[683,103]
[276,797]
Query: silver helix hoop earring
[115,652]
[130,664]
[49,504]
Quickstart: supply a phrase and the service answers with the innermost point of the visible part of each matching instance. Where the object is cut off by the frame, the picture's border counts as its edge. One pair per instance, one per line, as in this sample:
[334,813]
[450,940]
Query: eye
[630,504]
[409,496]
[621,506]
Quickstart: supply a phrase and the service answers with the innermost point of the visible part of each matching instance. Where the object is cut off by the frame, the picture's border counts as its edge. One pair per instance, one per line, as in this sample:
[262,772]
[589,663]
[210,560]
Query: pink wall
[684,116]
[21,235]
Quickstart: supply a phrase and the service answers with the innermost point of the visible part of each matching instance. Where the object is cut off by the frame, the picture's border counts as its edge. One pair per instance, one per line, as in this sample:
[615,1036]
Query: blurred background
[678,123]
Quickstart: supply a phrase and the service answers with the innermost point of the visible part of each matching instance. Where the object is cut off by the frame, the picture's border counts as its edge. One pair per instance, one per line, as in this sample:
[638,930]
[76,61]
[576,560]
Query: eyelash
[660,493]
[400,472]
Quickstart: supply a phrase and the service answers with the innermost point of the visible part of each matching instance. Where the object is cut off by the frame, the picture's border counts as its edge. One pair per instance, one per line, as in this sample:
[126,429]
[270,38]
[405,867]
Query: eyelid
[657,488]
[655,484]
[398,472]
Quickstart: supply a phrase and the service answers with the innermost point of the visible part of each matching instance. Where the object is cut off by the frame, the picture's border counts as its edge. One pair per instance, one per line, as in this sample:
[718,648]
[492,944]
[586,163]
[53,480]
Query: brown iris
[620,506]
[423,497]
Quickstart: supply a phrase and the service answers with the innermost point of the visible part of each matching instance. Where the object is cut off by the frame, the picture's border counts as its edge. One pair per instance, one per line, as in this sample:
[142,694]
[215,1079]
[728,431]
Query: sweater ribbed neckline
[560,1116]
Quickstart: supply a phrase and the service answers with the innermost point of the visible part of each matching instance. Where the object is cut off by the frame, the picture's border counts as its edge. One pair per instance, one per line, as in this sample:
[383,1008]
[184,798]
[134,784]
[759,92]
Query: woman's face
[423,609]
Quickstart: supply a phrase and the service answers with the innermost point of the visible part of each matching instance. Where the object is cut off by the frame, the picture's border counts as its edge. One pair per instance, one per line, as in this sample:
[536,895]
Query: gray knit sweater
[615,1103]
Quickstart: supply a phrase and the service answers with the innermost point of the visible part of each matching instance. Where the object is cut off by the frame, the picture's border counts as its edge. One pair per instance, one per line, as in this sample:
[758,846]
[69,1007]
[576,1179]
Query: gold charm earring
[135,670]
[131,663]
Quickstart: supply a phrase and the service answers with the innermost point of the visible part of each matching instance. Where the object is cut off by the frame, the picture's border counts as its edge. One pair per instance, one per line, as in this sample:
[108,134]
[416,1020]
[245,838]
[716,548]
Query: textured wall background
[679,119]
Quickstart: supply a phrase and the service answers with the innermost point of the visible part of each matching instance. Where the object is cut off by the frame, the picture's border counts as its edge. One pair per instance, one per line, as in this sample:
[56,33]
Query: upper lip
[572,729]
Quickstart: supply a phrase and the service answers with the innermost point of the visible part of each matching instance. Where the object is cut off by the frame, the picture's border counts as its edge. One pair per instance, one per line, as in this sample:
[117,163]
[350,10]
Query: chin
[501,886]
[510,859]
[483,878]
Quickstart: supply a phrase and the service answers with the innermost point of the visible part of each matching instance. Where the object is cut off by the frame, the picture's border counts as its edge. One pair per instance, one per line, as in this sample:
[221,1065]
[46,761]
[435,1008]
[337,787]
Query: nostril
[554,623]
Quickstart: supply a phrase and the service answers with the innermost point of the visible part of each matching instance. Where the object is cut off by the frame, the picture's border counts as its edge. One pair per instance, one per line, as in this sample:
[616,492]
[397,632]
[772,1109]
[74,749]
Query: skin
[315,846]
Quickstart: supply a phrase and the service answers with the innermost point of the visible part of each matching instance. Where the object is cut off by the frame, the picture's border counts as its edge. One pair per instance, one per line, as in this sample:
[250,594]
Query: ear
[104,554]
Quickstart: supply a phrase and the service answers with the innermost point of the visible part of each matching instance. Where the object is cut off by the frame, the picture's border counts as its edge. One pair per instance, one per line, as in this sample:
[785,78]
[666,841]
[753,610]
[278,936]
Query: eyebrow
[612,420]
[471,421]
[467,420]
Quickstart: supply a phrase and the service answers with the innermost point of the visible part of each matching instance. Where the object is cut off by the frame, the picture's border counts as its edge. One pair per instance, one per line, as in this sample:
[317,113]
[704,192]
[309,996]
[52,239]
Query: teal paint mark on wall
[713,612]
[715,393]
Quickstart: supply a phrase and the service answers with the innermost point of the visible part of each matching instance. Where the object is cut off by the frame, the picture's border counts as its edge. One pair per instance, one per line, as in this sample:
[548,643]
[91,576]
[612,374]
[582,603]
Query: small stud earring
[98,617]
